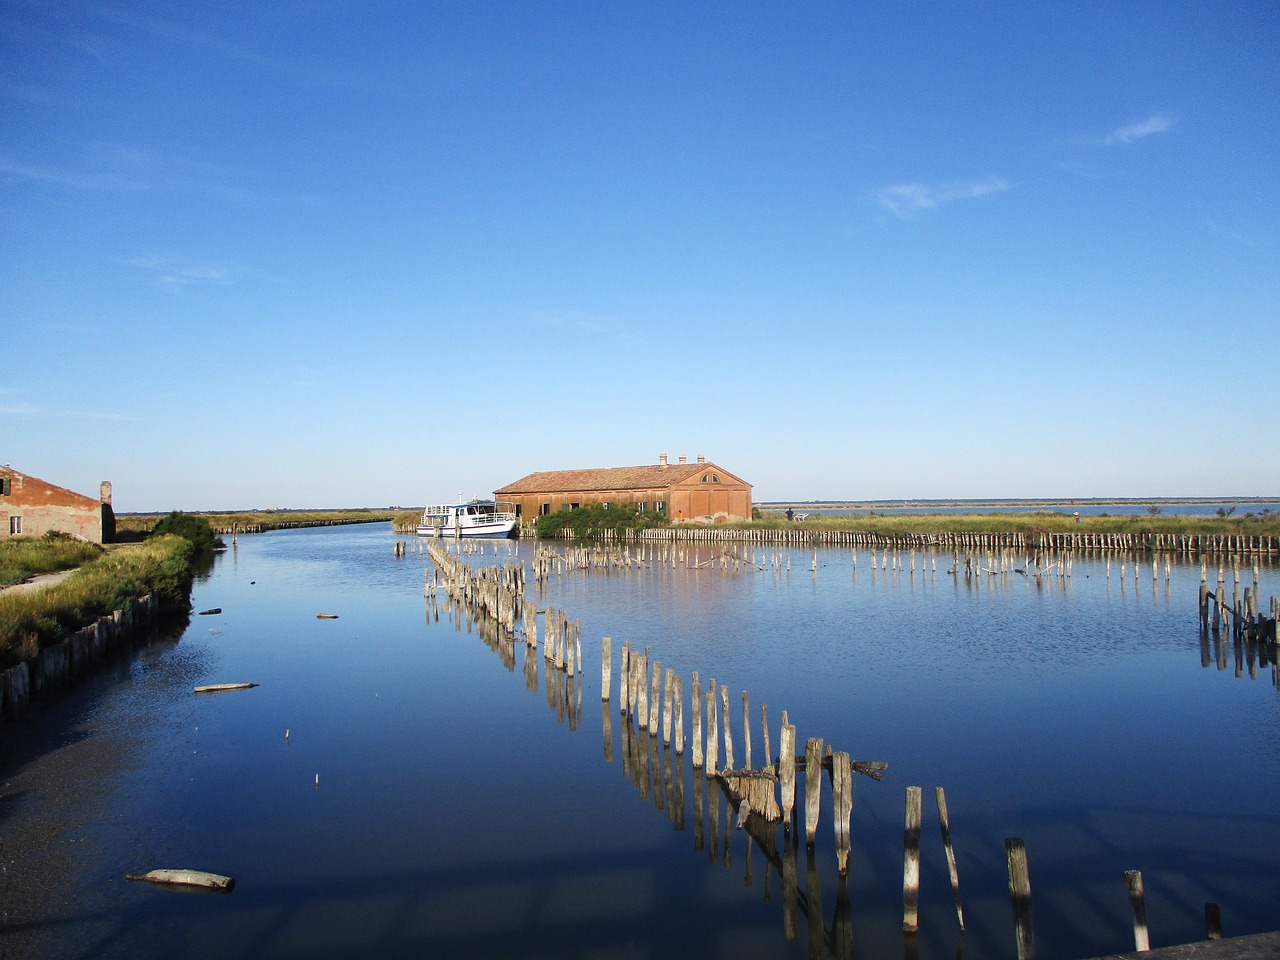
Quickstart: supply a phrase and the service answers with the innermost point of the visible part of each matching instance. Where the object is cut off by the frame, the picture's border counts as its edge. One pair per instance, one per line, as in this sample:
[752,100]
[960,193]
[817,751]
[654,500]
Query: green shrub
[595,518]
[191,527]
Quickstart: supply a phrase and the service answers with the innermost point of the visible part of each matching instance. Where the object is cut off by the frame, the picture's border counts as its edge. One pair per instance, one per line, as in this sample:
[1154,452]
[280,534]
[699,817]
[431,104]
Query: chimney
[662,459]
[701,458]
[683,458]
[104,492]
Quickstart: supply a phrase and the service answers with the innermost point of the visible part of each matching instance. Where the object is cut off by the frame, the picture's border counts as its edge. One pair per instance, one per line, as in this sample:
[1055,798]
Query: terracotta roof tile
[606,478]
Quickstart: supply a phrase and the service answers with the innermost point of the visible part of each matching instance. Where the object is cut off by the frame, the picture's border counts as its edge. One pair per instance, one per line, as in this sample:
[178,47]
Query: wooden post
[606,667]
[695,705]
[713,732]
[728,727]
[1138,901]
[746,729]
[841,805]
[677,695]
[655,702]
[642,689]
[911,861]
[1020,893]
[624,675]
[764,729]
[945,822]
[787,770]
[812,787]
[668,682]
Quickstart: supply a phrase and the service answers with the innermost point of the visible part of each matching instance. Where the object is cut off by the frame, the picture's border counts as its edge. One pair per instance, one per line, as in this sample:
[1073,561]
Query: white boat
[475,518]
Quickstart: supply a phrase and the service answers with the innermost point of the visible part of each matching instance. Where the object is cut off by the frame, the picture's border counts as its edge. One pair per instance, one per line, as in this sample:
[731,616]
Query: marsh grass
[903,524]
[33,619]
[24,557]
[224,520]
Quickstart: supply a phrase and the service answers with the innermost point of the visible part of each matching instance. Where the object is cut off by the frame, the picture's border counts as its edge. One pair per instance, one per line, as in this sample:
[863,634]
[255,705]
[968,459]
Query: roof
[49,488]
[650,476]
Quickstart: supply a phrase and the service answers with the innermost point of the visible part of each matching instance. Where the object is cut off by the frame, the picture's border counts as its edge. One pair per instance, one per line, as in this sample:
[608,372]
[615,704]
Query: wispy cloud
[111,182]
[577,322]
[175,273]
[1133,132]
[905,200]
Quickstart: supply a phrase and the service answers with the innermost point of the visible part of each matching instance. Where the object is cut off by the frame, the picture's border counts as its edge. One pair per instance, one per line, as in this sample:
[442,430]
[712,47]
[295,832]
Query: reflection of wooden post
[1138,901]
[813,891]
[624,671]
[728,727]
[790,891]
[606,718]
[606,667]
[713,731]
[1212,921]
[842,806]
[812,787]
[677,698]
[911,861]
[787,770]
[1020,893]
[945,822]
[695,706]
[746,729]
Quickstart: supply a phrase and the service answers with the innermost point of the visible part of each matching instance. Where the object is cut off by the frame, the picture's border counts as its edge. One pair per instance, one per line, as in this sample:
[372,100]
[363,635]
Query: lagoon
[426,800]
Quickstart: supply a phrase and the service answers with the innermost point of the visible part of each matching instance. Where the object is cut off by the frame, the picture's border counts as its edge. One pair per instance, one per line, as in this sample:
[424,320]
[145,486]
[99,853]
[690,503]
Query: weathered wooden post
[606,667]
[842,806]
[1212,922]
[1138,901]
[764,729]
[668,681]
[911,861]
[695,712]
[746,729]
[812,787]
[713,731]
[655,699]
[1020,893]
[624,674]
[642,690]
[944,822]
[787,770]
[677,695]
[728,727]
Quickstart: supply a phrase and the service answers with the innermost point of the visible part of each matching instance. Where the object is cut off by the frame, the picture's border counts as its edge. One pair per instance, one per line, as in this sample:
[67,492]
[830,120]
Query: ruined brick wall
[30,506]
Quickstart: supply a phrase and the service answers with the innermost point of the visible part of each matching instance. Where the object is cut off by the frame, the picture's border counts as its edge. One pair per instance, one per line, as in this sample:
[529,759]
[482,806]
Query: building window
[6,486]
[660,506]
[544,509]
[642,506]
[710,478]
[15,526]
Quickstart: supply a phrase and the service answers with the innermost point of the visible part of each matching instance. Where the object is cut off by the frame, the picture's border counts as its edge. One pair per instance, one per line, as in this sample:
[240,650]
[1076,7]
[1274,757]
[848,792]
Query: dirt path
[40,581]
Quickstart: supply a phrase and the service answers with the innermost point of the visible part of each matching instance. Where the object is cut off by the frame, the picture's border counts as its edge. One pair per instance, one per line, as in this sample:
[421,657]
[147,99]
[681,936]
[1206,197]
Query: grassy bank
[30,620]
[24,557]
[904,524]
[141,523]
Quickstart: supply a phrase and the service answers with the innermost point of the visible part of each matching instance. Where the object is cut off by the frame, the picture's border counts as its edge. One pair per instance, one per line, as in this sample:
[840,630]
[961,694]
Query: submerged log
[186,878]
[220,687]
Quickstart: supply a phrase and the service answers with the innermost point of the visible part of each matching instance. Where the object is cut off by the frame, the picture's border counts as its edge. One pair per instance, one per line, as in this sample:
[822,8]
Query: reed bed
[30,620]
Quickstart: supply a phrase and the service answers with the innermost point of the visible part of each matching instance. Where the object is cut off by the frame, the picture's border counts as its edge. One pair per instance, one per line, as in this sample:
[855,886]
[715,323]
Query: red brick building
[698,491]
[32,507]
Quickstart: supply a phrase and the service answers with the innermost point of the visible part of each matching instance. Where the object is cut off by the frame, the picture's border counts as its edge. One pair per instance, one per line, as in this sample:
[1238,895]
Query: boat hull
[498,528]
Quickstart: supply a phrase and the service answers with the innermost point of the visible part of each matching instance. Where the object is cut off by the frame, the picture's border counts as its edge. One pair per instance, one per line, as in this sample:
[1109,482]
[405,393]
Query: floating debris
[326,616]
[220,687]
[210,611]
[186,878]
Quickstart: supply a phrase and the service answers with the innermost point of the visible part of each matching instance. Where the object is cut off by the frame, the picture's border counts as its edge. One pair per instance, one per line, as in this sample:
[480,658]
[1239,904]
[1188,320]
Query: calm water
[458,812]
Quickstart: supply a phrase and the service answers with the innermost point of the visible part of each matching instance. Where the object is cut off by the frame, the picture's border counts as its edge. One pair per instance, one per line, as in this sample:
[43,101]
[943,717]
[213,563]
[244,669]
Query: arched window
[710,478]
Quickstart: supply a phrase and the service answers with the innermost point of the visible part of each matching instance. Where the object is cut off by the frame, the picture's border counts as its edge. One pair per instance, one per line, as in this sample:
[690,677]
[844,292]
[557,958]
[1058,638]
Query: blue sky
[340,254]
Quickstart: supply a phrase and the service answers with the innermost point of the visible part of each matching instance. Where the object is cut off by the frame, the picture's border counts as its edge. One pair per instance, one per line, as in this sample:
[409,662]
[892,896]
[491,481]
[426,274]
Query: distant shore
[908,504]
